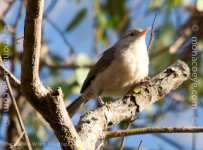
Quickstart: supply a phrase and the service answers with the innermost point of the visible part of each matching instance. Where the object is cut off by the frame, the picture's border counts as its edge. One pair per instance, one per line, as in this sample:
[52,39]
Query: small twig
[18,16]
[10,91]
[194,137]
[12,78]
[101,145]
[123,22]
[21,38]
[124,138]
[72,50]
[169,141]
[9,4]
[70,65]
[152,33]
[137,131]
[5,142]
[18,140]
[139,145]
[18,114]
[4,12]
[13,46]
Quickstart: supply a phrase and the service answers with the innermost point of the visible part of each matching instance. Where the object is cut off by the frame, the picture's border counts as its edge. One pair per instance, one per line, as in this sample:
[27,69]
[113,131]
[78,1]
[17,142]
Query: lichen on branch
[93,123]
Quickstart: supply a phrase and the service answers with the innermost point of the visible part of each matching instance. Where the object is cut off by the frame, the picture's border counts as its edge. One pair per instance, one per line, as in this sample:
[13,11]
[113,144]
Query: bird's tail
[74,106]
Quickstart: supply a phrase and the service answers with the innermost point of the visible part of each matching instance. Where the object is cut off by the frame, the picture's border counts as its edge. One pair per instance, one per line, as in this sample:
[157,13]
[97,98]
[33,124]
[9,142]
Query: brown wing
[105,60]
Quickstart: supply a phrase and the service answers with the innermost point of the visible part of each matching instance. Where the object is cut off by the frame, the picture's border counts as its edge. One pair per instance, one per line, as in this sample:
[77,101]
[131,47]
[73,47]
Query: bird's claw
[146,81]
[102,103]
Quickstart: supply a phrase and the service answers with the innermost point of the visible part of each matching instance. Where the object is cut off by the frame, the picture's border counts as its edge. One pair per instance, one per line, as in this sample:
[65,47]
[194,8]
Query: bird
[120,67]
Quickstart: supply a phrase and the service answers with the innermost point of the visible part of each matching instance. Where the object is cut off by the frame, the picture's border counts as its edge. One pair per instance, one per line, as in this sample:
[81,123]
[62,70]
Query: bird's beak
[143,32]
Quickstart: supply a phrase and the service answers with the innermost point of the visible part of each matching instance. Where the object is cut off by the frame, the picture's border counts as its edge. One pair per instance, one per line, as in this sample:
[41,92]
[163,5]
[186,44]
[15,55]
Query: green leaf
[200,45]
[41,132]
[171,4]
[1,27]
[81,75]
[155,4]
[78,1]
[115,12]
[107,99]
[83,59]
[123,124]
[67,86]
[79,17]
[167,35]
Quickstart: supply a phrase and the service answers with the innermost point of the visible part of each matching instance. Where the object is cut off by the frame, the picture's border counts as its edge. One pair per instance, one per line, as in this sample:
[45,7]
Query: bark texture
[93,124]
[50,103]
[46,101]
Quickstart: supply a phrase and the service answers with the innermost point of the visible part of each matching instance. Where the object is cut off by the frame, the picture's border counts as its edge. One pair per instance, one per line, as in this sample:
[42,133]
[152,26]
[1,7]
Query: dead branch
[14,81]
[50,103]
[93,123]
[10,91]
[137,131]
[152,33]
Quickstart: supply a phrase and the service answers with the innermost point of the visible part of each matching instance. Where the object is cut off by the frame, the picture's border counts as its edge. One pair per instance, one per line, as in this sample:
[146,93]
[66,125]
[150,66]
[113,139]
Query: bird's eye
[132,34]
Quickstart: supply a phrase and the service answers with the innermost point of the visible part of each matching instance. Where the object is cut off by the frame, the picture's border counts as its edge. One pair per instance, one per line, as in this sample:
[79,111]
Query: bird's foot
[100,100]
[102,103]
[146,81]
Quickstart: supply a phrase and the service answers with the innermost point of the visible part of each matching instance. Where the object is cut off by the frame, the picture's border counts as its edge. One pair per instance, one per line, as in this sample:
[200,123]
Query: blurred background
[76,32]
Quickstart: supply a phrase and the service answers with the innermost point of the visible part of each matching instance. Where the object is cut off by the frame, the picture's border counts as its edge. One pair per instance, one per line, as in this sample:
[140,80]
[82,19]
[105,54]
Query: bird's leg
[102,103]
[100,100]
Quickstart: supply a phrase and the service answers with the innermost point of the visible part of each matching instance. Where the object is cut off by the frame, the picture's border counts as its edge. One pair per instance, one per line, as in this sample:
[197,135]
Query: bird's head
[135,34]
[134,38]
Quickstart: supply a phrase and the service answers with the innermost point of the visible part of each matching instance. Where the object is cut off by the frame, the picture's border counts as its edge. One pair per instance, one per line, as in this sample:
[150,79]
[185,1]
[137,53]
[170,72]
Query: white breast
[128,67]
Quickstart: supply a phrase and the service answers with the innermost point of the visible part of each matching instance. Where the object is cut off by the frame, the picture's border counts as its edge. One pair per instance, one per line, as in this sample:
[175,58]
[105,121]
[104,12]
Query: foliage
[112,18]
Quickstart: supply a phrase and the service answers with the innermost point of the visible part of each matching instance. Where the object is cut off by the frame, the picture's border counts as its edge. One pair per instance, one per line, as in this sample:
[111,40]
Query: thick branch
[137,131]
[48,102]
[93,123]
[32,44]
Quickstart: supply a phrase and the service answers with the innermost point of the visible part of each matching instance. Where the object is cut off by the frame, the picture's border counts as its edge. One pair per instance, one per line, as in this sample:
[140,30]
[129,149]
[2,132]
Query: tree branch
[70,65]
[93,123]
[18,114]
[48,103]
[124,138]
[170,141]
[152,33]
[32,44]
[10,91]
[137,131]
[139,145]
[14,81]
[72,50]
